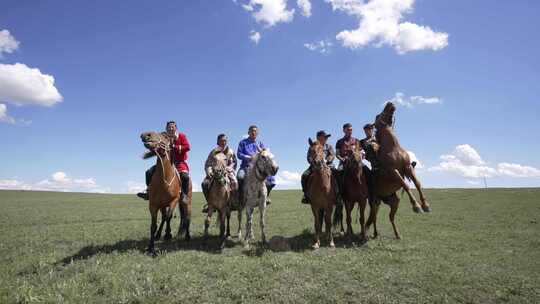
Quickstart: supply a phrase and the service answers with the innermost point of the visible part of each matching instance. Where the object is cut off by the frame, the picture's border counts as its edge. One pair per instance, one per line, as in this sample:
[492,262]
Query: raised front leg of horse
[415,206]
[412,175]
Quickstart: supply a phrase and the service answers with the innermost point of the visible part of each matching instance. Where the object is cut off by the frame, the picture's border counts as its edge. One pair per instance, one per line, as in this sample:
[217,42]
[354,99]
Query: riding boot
[148,178]
[303,183]
[184,177]
[205,190]
[269,188]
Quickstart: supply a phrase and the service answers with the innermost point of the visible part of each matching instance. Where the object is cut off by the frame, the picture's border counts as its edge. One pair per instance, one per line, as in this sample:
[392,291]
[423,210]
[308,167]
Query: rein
[163,166]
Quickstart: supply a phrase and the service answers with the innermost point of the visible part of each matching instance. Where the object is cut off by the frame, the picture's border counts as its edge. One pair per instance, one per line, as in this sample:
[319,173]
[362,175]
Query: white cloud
[22,85]
[135,187]
[269,12]
[288,179]
[59,181]
[323,46]
[401,100]
[4,117]
[380,24]
[8,43]
[305,7]
[255,36]
[465,161]
[515,170]
[13,184]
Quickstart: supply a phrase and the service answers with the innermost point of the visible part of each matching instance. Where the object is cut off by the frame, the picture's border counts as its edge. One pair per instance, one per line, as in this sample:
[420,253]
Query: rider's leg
[148,178]
[184,177]
[303,182]
[269,186]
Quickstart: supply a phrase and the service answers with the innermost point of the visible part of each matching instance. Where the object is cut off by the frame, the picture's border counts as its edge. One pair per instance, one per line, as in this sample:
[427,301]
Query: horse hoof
[316,246]
[417,209]
[188,238]
[332,245]
[167,237]
[398,237]
[426,209]
[151,252]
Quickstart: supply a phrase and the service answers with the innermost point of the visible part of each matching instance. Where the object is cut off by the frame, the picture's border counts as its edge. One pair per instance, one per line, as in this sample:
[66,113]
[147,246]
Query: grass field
[478,246]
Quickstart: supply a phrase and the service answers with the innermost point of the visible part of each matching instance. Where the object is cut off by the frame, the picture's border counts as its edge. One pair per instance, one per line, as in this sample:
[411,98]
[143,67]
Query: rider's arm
[208,163]
[242,153]
[182,144]
[331,155]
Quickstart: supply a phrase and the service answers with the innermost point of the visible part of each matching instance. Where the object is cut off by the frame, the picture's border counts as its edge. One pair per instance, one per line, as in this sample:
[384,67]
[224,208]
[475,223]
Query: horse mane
[148,154]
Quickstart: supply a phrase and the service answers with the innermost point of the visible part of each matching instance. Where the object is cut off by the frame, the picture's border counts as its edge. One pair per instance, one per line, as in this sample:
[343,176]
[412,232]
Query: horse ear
[310,142]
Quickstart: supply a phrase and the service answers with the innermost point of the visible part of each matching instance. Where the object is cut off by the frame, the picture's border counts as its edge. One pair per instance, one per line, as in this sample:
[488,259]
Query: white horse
[261,166]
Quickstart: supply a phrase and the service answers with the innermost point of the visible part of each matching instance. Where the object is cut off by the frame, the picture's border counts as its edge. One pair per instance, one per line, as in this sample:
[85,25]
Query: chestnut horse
[219,196]
[395,166]
[321,193]
[164,188]
[355,189]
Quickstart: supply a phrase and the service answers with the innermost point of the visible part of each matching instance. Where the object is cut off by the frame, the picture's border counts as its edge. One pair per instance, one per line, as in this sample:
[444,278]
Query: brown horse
[395,166]
[219,196]
[164,188]
[355,189]
[321,193]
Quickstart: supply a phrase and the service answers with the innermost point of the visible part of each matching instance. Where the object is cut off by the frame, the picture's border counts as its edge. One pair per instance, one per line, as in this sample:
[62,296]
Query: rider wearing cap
[329,156]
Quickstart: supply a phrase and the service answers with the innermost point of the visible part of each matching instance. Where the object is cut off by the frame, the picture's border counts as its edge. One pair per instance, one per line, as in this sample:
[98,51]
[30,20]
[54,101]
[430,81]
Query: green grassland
[478,246]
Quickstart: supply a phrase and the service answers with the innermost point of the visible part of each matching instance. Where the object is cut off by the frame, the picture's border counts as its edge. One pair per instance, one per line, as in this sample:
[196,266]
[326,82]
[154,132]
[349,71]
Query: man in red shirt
[180,147]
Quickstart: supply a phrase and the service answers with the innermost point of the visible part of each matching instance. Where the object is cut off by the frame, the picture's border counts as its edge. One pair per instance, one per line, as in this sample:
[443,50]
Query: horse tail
[338,216]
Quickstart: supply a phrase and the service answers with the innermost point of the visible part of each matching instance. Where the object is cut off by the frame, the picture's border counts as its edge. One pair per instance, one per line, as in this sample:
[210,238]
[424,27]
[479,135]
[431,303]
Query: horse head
[354,159]
[219,168]
[316,153]
[386,117]
[265,163]
[157,143]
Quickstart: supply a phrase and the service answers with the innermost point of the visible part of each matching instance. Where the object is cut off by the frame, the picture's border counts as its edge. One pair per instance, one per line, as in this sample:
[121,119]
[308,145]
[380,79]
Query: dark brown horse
[321,193]
[395,166]
[355,189]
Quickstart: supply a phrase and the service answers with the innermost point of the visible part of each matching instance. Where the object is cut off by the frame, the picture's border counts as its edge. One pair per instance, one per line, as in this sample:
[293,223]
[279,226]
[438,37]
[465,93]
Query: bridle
[161,144]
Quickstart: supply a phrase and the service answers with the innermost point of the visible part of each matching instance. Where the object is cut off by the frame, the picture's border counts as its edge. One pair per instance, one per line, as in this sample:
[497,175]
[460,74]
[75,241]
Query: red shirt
[180,153]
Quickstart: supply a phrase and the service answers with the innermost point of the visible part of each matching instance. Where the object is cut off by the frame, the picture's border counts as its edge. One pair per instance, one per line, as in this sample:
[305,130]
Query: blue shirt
[248,148]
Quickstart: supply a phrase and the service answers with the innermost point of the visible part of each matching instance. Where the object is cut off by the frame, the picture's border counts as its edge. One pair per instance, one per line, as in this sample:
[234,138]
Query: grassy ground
[478,246]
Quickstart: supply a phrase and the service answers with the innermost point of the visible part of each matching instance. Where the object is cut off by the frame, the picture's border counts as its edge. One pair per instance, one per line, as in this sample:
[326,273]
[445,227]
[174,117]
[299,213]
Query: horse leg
[208,220]
[394,204]
[228,214]
[362,208]
[181,212]
[222,235]
[262,211]
[373,211]
[186,220]
[163,220]
[423,200]
[317,218]
[415,206]
[348,208]
[153,227]
[168,234]
[249,230]
[328,226]
[240,211]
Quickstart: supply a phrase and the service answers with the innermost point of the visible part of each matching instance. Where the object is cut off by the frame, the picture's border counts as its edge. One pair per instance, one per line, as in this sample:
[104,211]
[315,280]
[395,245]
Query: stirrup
[143,195]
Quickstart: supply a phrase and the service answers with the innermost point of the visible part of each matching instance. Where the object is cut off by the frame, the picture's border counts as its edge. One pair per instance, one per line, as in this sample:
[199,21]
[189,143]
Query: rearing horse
[395,167]
[321,193]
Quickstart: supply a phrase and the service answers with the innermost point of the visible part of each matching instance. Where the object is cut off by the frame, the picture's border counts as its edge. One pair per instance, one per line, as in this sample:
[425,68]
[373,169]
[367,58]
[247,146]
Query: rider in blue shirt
[246,149]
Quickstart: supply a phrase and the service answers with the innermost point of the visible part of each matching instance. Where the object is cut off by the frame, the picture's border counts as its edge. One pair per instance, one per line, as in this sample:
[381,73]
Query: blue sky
[466,74]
